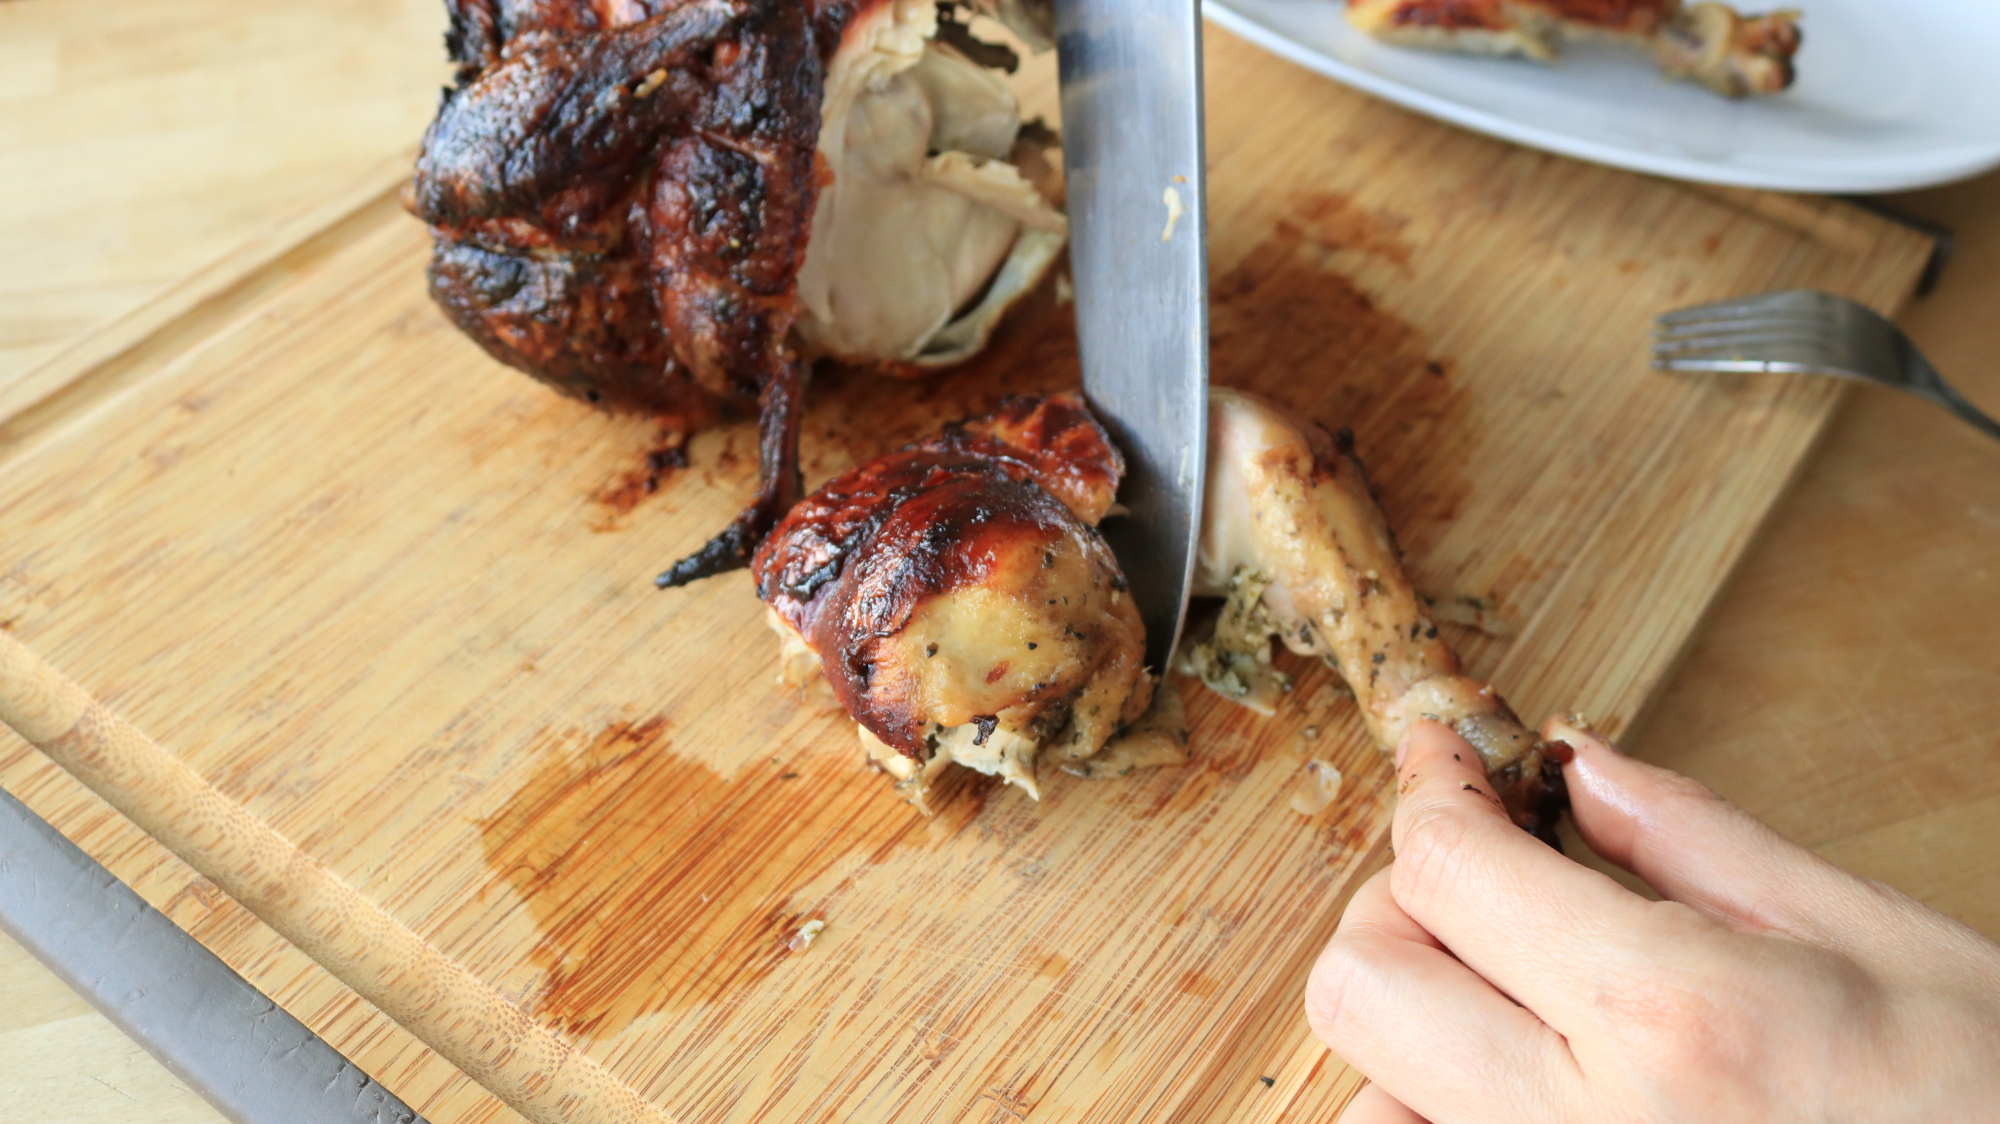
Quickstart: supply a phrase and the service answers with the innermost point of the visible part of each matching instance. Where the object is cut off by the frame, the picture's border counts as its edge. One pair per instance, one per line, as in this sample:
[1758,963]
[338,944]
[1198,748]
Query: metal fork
[1808,332]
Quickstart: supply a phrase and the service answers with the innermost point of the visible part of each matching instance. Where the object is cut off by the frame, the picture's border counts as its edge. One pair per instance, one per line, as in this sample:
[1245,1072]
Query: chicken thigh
[958,599]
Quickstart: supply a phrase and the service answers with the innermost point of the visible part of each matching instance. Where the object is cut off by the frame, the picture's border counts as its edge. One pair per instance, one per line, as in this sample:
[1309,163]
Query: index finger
[1513,909]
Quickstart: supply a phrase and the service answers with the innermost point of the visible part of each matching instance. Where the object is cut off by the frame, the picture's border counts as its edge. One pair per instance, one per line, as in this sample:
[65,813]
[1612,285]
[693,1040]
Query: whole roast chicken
[674,206]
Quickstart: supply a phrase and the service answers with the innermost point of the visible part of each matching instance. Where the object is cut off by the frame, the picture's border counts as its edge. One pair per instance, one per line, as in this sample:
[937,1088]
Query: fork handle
[1931,385]
[1955,402]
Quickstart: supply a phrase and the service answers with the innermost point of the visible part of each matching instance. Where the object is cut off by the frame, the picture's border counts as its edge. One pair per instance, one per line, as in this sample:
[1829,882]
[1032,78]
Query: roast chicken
[1294,542]
[959,601]
[674,206]
[1733,54]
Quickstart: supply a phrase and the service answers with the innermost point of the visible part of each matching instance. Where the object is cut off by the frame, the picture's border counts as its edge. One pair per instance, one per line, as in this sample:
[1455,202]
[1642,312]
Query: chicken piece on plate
[1293,540]
[672,206]
[962,606]
[1732,54]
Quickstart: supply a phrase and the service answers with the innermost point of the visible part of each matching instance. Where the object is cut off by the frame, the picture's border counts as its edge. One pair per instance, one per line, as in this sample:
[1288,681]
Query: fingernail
[1574,729]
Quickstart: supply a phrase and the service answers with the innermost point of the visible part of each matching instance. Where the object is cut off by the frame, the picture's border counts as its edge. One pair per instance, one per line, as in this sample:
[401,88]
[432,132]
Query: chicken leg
[1293,539]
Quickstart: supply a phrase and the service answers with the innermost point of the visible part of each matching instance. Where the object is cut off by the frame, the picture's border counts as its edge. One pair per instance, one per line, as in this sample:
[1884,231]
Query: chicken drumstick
[1294,540]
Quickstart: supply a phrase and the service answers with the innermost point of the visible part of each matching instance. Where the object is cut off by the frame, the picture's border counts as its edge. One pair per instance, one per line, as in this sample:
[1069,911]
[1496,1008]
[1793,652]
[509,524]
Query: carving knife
[1132,159]
[215,1031]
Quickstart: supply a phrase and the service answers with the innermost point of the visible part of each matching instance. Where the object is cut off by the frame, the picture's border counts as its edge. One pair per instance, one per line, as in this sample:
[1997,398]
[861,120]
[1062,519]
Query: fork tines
[1804,332]
[1788,331]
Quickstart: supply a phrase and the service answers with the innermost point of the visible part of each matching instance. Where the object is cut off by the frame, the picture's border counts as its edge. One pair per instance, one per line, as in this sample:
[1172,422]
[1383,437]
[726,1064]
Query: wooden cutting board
[394,598]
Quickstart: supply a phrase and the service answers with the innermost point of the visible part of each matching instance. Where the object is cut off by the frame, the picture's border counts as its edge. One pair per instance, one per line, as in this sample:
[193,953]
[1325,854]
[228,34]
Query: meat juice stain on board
[1287,322]
[614,500]
[657,884]
[1336,221]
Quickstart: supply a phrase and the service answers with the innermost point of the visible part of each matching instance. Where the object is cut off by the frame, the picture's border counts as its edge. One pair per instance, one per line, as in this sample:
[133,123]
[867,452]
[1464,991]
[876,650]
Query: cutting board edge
[130,349]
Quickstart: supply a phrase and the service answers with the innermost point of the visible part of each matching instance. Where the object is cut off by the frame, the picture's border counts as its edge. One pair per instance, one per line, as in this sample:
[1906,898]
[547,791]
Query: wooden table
[138,144]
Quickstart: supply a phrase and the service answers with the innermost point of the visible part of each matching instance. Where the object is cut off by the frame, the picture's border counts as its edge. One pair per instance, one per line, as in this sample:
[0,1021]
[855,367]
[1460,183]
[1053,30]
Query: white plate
[1889,95]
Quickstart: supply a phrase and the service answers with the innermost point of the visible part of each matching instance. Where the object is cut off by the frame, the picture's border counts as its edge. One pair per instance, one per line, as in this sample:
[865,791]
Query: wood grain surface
[1358,251]
[139,141]
[1847,685]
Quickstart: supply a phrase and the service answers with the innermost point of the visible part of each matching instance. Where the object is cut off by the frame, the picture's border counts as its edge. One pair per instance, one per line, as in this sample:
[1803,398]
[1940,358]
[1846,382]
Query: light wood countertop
[1846,687]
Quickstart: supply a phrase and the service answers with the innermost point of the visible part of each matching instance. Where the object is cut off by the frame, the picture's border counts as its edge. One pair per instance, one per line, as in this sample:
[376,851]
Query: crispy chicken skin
[646,178]
[959,601]
[672,206]
[1733,54]
[1294,540]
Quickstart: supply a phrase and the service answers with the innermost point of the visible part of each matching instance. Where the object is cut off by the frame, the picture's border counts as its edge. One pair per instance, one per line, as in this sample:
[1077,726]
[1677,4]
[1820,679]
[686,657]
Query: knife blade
[1130,73]
[212,1028]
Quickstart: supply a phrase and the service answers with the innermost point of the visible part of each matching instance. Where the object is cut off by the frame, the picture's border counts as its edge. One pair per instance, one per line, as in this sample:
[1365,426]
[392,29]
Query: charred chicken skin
[1294,541]
[1733,54]
[959,601]
[621,197]
[671,206]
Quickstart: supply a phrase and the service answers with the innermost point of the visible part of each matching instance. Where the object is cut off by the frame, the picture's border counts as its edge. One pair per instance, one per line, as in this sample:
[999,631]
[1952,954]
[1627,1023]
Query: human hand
[1484,977]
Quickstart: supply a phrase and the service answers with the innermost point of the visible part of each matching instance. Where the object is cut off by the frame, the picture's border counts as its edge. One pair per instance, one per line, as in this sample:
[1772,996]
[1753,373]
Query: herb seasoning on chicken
[672,206]
[962,606]
[1293,540]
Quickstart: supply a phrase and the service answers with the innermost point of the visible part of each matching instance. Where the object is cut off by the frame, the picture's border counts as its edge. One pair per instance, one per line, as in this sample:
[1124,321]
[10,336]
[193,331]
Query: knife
[1132,158]
[215,1031]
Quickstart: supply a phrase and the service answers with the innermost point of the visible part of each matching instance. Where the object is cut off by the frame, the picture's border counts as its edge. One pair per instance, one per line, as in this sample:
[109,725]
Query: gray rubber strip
[251,1060]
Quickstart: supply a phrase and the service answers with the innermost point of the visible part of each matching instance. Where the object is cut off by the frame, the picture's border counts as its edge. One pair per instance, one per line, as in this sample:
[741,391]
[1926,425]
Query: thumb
[1696,848]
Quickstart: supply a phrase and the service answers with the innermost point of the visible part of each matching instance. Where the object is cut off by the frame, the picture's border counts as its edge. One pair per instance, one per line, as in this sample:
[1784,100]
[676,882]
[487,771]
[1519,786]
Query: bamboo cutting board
[393,598]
